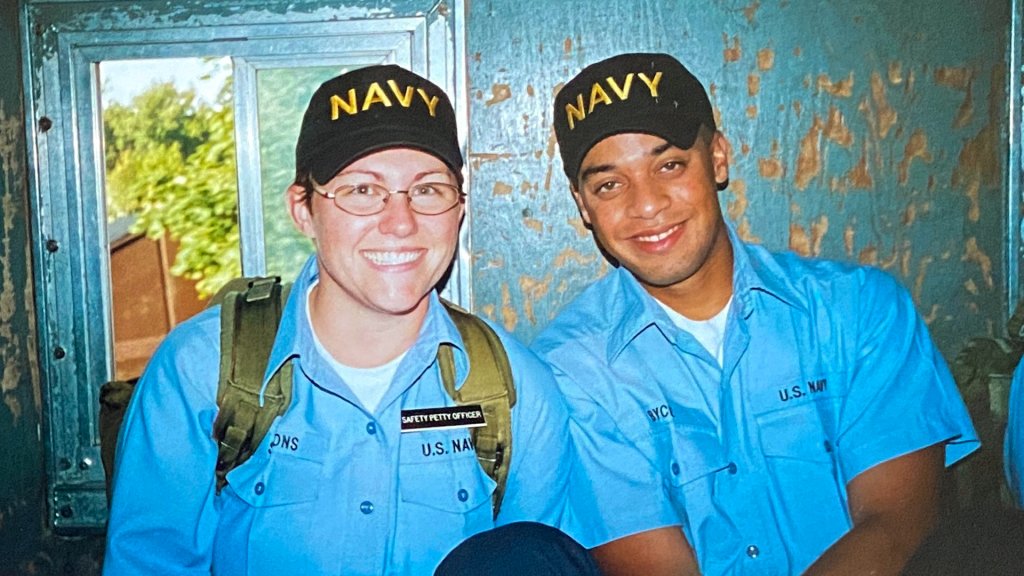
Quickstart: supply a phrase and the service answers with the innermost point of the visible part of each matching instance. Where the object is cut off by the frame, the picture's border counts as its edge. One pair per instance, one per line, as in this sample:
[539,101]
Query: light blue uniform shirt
[333,489]
[828,371]
[1014,444]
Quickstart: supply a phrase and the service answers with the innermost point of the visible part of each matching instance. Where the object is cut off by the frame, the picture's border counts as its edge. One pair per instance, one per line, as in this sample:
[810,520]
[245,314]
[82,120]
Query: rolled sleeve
[902,397]
[615,490]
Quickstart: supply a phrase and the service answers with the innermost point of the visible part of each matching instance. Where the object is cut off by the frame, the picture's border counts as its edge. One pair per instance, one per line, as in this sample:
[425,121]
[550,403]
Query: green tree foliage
[170,163]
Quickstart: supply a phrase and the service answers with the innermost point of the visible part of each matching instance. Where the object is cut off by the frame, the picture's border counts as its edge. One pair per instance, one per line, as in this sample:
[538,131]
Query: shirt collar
[754,270]
[757,269]
[293,329]
[295,336]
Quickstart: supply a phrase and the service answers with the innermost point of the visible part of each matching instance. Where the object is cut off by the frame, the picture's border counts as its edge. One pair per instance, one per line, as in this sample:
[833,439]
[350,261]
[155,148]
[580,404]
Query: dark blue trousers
[517,549]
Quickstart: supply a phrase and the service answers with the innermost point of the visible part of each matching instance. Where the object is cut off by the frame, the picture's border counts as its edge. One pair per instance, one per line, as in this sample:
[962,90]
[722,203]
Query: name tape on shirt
[468,416]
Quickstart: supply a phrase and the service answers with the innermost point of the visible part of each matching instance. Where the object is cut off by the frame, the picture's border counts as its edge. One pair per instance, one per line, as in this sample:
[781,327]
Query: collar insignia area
[421,419]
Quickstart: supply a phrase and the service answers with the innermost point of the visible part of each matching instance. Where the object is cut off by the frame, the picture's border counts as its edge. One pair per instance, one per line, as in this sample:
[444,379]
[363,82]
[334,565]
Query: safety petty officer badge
[445,418]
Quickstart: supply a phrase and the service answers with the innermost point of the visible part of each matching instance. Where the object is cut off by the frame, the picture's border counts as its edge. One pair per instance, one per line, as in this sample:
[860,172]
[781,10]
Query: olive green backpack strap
[489,384]
[250,313]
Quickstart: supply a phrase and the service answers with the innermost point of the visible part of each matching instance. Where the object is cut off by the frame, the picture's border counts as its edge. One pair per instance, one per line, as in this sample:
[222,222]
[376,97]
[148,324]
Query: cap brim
[682,137]
[335,156]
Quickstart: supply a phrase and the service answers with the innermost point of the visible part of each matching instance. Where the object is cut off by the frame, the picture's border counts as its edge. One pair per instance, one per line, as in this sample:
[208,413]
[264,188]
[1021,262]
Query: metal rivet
[59,353]
[85,463]
[66,511]
[64,464]
[52,245]
[45,124]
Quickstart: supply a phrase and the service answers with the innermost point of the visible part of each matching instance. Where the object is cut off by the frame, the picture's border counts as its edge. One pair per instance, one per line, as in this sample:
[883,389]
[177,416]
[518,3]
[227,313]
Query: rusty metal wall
[21,464]
[868,131]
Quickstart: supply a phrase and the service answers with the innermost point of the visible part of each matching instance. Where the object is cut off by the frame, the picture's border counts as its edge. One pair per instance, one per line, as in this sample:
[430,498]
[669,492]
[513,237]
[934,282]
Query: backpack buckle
[261,288]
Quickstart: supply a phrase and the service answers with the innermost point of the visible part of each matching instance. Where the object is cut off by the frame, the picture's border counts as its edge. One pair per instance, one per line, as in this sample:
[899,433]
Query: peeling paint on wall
[975,255]
[509,316]
[860,175]
[737,207]
[12,354]
[771,168]
[885,116]
[916,148]
[499,93]
[533,290]
[979,158]
[808,162]
[751,11]
[840,89]
[732,51]
[501,189]
[836,129]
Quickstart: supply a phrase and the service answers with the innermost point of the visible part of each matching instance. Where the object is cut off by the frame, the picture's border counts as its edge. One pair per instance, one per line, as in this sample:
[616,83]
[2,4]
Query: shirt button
[259,488]
[371,428]
[732,468]
[463,495]
[675,468]
[753,551]
[366,507]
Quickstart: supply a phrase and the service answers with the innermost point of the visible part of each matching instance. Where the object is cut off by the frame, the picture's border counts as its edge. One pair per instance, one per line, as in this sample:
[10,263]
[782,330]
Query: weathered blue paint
[872,131]
[864,131]
[21,464]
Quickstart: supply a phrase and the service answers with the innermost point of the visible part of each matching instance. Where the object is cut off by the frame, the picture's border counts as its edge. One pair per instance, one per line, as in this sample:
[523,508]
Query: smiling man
[736,411]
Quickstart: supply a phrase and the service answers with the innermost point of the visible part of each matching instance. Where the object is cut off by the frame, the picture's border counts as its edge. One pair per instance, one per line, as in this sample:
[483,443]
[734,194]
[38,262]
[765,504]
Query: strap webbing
[489,384]
[249,321]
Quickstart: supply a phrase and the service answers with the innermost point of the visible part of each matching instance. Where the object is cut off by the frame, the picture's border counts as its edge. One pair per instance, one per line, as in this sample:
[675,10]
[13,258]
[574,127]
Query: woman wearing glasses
[340,484]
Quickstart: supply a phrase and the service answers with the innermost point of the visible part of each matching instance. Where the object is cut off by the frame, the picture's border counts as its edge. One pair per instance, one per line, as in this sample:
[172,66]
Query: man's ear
[721,149]
[301,210]
[580,205]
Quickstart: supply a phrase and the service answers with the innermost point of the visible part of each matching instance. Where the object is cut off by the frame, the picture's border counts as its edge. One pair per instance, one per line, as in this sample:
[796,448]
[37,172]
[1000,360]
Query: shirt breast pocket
[443,501]
[457,485]
[799,456]
[691,453]
[281,476]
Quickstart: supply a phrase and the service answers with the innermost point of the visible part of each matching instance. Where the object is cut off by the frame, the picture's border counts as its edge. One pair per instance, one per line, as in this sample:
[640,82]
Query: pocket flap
[794,433]
[275,477]
[696,452]
[454,485]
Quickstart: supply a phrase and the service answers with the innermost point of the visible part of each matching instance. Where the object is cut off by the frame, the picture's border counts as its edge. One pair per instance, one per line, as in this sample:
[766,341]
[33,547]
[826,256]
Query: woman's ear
[300,208]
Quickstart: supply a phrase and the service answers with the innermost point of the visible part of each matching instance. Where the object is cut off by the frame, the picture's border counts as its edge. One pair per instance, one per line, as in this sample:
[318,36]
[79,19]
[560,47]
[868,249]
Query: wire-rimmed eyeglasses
[429,198]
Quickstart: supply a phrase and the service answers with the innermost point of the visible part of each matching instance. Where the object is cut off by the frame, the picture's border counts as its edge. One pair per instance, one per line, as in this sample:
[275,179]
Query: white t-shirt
[368,384]
[710,333]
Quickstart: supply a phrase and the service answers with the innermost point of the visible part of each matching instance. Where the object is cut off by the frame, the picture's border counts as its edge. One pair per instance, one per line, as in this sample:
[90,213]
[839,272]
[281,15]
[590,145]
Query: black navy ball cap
[638,92]
[372,109]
